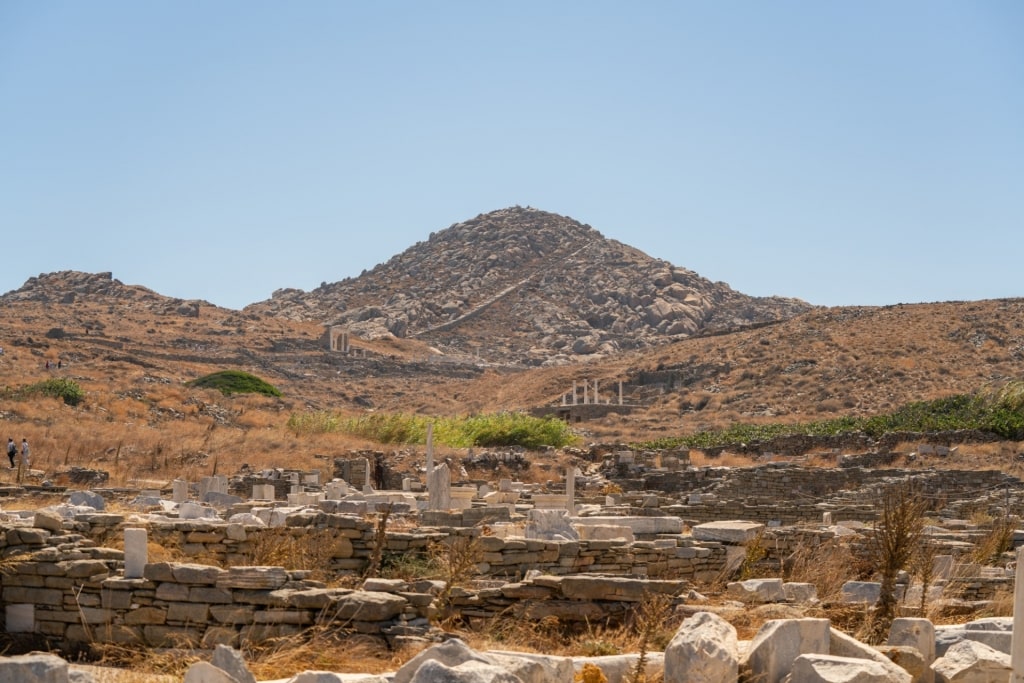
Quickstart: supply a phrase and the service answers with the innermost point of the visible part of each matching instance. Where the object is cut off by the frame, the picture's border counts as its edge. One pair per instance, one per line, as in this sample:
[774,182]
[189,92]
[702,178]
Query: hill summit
[526,286]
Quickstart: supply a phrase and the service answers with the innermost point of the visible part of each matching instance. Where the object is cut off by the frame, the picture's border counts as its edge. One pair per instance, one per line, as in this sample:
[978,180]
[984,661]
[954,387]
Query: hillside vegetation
[999,412]
[230,382]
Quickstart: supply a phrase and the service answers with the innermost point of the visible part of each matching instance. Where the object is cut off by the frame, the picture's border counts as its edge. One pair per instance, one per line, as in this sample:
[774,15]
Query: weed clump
[66,390]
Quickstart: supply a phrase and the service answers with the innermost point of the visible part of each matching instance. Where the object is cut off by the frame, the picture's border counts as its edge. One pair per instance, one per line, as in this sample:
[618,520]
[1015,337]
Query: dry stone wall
[60,587]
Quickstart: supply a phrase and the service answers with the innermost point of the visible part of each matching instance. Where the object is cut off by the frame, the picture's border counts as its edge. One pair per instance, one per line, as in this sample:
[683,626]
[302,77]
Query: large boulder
[451,653]
[971,662]
[779,642]
[704,649]
[832,669]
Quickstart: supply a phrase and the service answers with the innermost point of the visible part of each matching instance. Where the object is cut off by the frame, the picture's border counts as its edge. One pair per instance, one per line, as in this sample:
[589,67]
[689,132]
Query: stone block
[34,668]
[36,596]
[49,520]
[253,578]
[757,591]
[20,618]
[800,593]
[232,614]
[734,532]
[188,612]
[142,616]
[918,634]
[82,569]
[969,661]
[198,574]
[209,595]
[231,661]
[816,668]
[704,648]
[205,672]
[780,641]
[861,592]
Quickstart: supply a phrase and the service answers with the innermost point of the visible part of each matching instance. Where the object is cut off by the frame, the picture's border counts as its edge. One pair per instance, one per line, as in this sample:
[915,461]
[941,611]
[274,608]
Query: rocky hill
[524,286]
[126,343]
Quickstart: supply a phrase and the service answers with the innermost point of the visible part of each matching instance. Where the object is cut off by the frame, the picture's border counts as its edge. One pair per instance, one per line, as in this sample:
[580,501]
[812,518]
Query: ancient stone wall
[59,587]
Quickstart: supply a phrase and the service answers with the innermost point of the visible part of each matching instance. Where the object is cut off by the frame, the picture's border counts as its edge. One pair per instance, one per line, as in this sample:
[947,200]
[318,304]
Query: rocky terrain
[520,285]
[505,312]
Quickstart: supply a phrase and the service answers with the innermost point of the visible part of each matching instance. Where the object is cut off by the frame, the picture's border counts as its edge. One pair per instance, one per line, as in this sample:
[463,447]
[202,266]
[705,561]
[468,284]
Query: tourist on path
[24,453]
[12,451]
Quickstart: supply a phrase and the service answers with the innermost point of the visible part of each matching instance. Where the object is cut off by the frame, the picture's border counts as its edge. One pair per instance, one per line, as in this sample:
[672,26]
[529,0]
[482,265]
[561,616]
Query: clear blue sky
[841,152]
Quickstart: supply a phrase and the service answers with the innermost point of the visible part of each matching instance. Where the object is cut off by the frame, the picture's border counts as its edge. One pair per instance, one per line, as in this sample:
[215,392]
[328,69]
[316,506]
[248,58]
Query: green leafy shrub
[235,382]
[499,429]
[67,390]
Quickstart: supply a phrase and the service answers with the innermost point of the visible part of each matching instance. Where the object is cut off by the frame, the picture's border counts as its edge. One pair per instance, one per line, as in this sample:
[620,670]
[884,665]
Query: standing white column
[136,554]
[596,399]
[620,392]
[179,488]
[574,392]
[1017,640]
[586,388]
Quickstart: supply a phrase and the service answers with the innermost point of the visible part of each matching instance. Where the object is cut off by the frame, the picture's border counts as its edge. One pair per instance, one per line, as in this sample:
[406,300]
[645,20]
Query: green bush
[235,382]
[500,429]
[67,390]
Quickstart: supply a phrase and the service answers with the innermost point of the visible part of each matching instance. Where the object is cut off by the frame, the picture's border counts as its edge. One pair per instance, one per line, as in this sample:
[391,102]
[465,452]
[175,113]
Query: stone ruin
[571,550]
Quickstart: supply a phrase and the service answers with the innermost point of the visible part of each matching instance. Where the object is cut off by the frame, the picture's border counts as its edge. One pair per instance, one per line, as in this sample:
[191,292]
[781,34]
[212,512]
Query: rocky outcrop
[70,287]
[528,286]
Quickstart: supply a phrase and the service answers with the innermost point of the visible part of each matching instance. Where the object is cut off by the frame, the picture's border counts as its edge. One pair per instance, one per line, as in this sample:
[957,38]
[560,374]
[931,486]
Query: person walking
[12,451]
[24,453]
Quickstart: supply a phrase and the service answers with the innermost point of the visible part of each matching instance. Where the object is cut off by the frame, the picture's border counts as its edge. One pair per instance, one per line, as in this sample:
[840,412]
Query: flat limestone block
[735,532]
[639,525]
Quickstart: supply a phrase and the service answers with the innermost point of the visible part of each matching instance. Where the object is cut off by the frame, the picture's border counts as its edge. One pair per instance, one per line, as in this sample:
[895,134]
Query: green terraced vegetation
[1000,412]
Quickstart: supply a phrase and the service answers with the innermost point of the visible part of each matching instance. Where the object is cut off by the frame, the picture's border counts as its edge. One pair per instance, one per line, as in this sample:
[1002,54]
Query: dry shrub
[143,660]
[996,541]
[827,565]
[649,621]
[294,548]
[321,648]
[517,630]
[1001,605]
[755,551]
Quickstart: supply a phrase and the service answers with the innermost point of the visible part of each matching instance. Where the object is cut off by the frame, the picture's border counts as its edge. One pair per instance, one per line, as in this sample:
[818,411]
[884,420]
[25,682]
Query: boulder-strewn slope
[526,286]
